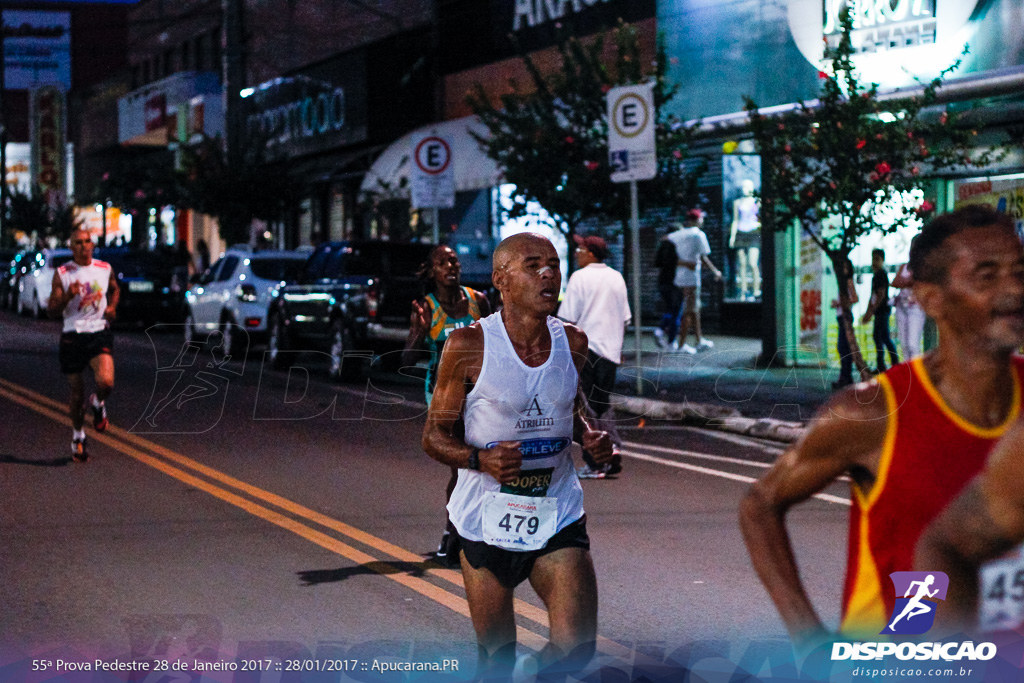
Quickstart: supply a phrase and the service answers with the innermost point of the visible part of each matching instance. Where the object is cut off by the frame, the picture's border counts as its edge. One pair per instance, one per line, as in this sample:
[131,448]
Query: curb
[713,417]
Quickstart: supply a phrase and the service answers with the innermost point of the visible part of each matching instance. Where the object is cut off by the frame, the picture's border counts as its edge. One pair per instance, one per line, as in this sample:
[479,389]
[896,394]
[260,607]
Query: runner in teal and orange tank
[447,306]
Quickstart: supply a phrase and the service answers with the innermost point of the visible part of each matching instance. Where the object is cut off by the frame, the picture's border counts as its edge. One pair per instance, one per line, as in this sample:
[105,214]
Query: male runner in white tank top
[518,505]
[85,294]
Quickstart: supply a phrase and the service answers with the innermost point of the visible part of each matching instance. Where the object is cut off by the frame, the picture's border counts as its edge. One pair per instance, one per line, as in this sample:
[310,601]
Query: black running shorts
[513,567]
[78,348]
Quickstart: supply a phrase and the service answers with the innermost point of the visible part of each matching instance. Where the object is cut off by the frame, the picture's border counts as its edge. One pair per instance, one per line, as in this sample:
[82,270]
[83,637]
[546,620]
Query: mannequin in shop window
[745,238]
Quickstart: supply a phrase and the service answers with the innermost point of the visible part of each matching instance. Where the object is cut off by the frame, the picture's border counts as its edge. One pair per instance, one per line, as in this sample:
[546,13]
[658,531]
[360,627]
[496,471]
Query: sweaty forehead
[986,244]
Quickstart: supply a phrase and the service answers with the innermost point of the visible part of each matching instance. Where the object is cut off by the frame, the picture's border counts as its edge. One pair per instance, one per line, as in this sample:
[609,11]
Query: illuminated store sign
[531,13]
[883,25]
[896,40]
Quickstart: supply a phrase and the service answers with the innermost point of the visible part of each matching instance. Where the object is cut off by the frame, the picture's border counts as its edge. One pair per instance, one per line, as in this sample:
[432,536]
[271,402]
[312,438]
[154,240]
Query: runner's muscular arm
[113,297]
[461,362]
[984,521]
[596,442]
[847,434]
[59,298]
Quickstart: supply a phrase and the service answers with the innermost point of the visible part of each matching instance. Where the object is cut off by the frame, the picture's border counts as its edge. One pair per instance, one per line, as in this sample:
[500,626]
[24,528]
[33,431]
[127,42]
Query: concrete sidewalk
[722,388]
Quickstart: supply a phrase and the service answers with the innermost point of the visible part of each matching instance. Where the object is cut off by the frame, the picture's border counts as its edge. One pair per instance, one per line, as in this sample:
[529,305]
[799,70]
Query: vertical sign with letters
[48,139]
[631,133]
[433,173]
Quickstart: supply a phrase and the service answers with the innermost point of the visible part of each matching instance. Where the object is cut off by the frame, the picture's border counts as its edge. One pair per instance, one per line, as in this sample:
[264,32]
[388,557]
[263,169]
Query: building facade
[771,51]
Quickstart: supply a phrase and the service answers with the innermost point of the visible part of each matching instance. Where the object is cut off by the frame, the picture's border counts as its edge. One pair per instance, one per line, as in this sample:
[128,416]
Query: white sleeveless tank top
[85,312]
[514,402]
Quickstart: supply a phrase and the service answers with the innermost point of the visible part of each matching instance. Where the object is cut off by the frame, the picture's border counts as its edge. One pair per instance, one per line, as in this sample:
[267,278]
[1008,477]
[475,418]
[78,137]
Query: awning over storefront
[474,170]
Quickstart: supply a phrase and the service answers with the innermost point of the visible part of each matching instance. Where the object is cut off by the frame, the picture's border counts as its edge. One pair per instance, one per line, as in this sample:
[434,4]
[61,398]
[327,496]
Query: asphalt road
[234,513]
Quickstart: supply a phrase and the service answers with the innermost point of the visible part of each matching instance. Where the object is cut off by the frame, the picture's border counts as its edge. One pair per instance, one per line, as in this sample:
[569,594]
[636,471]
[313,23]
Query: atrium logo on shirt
[533,416]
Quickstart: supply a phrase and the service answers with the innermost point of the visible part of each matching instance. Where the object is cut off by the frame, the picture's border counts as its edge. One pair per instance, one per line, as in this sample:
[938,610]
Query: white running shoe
[706,344]
[526,669]
[659,338]
[686,348]
[675,345]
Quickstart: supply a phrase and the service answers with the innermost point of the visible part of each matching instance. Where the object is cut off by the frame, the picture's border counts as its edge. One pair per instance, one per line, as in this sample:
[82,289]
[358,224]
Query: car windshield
[278,269]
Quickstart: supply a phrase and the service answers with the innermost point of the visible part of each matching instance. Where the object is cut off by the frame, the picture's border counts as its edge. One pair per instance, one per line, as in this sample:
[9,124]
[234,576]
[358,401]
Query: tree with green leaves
[551,139]
[235,196]
[850,163]
[32,214]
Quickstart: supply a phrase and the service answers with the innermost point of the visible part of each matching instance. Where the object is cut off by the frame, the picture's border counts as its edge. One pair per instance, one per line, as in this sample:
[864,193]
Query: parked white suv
[238,290]
[35,287]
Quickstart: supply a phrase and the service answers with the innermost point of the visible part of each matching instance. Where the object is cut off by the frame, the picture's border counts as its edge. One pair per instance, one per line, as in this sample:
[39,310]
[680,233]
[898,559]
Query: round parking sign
[630,115]
[433,155]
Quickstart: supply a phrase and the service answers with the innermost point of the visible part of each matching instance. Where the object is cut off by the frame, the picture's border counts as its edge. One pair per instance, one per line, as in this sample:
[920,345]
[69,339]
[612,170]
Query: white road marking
[828,498]
[699,456]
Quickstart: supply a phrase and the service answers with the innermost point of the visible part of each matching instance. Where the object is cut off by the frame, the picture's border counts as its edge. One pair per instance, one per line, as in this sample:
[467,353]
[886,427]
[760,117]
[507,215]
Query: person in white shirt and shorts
[513,378]
[85,295]
[692,249]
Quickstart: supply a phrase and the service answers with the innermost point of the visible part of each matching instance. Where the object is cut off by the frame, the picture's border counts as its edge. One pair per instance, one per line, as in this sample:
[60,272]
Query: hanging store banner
[37,49]
[48,137]
[1004,193]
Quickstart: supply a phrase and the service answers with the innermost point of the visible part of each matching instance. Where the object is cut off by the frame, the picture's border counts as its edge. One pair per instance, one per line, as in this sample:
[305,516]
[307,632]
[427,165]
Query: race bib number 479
[518,522]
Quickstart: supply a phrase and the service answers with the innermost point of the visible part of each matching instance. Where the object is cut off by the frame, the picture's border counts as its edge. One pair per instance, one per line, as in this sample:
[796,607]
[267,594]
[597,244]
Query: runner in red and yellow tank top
[911,439]
[930,454]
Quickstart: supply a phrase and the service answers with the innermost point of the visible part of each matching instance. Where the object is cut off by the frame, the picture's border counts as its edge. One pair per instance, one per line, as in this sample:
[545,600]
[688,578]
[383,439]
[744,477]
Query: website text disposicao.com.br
[911,657]
[910,672]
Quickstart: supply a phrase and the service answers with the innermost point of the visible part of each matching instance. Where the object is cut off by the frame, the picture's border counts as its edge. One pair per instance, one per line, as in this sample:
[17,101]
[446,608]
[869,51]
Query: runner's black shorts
[78,348]
[512,567]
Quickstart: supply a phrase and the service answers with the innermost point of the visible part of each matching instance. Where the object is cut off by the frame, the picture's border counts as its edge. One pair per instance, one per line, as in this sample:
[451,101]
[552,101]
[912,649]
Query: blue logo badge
[536,449]
[917,596]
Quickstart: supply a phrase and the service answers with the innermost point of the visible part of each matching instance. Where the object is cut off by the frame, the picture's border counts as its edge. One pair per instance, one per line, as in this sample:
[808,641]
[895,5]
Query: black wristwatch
[474,460]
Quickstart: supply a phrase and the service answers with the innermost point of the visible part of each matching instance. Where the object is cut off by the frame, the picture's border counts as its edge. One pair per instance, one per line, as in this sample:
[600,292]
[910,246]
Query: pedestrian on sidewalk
[911,438]
[666,261]
[692,249]
[879,308]
[447,306]
[842,343]
[910,317]
[596,302]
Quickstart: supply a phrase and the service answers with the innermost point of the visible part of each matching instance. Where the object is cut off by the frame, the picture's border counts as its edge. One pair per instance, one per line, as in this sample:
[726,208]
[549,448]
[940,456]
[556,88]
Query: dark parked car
[152,283]
[21,264]
[351,296]
[6,266]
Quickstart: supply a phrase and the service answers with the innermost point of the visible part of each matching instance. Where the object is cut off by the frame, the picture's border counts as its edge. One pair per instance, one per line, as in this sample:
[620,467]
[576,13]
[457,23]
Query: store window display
[741,227]
[745,239]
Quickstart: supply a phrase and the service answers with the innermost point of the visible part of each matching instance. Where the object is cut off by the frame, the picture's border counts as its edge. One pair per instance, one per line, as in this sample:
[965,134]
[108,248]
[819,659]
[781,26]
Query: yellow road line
[456,603]
[525,609]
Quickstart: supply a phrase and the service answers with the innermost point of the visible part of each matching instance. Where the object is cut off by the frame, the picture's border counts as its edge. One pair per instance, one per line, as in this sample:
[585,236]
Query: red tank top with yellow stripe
[930,453]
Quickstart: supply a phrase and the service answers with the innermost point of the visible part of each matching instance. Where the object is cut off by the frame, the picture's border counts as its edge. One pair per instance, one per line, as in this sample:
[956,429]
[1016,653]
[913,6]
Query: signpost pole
[632,156]
[634,228]
[434,218]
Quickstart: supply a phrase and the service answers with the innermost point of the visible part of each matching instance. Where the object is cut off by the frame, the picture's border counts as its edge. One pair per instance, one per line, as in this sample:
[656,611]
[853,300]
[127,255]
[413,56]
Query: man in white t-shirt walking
[691,248]
[85,294]
[596,302]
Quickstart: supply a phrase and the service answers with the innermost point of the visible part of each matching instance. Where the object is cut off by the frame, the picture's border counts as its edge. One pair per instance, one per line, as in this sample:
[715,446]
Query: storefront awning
[474,170]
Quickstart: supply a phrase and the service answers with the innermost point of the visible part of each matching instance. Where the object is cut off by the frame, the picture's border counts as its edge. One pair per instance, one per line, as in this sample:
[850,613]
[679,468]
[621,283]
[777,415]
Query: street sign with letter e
[631,114]
[432,174]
